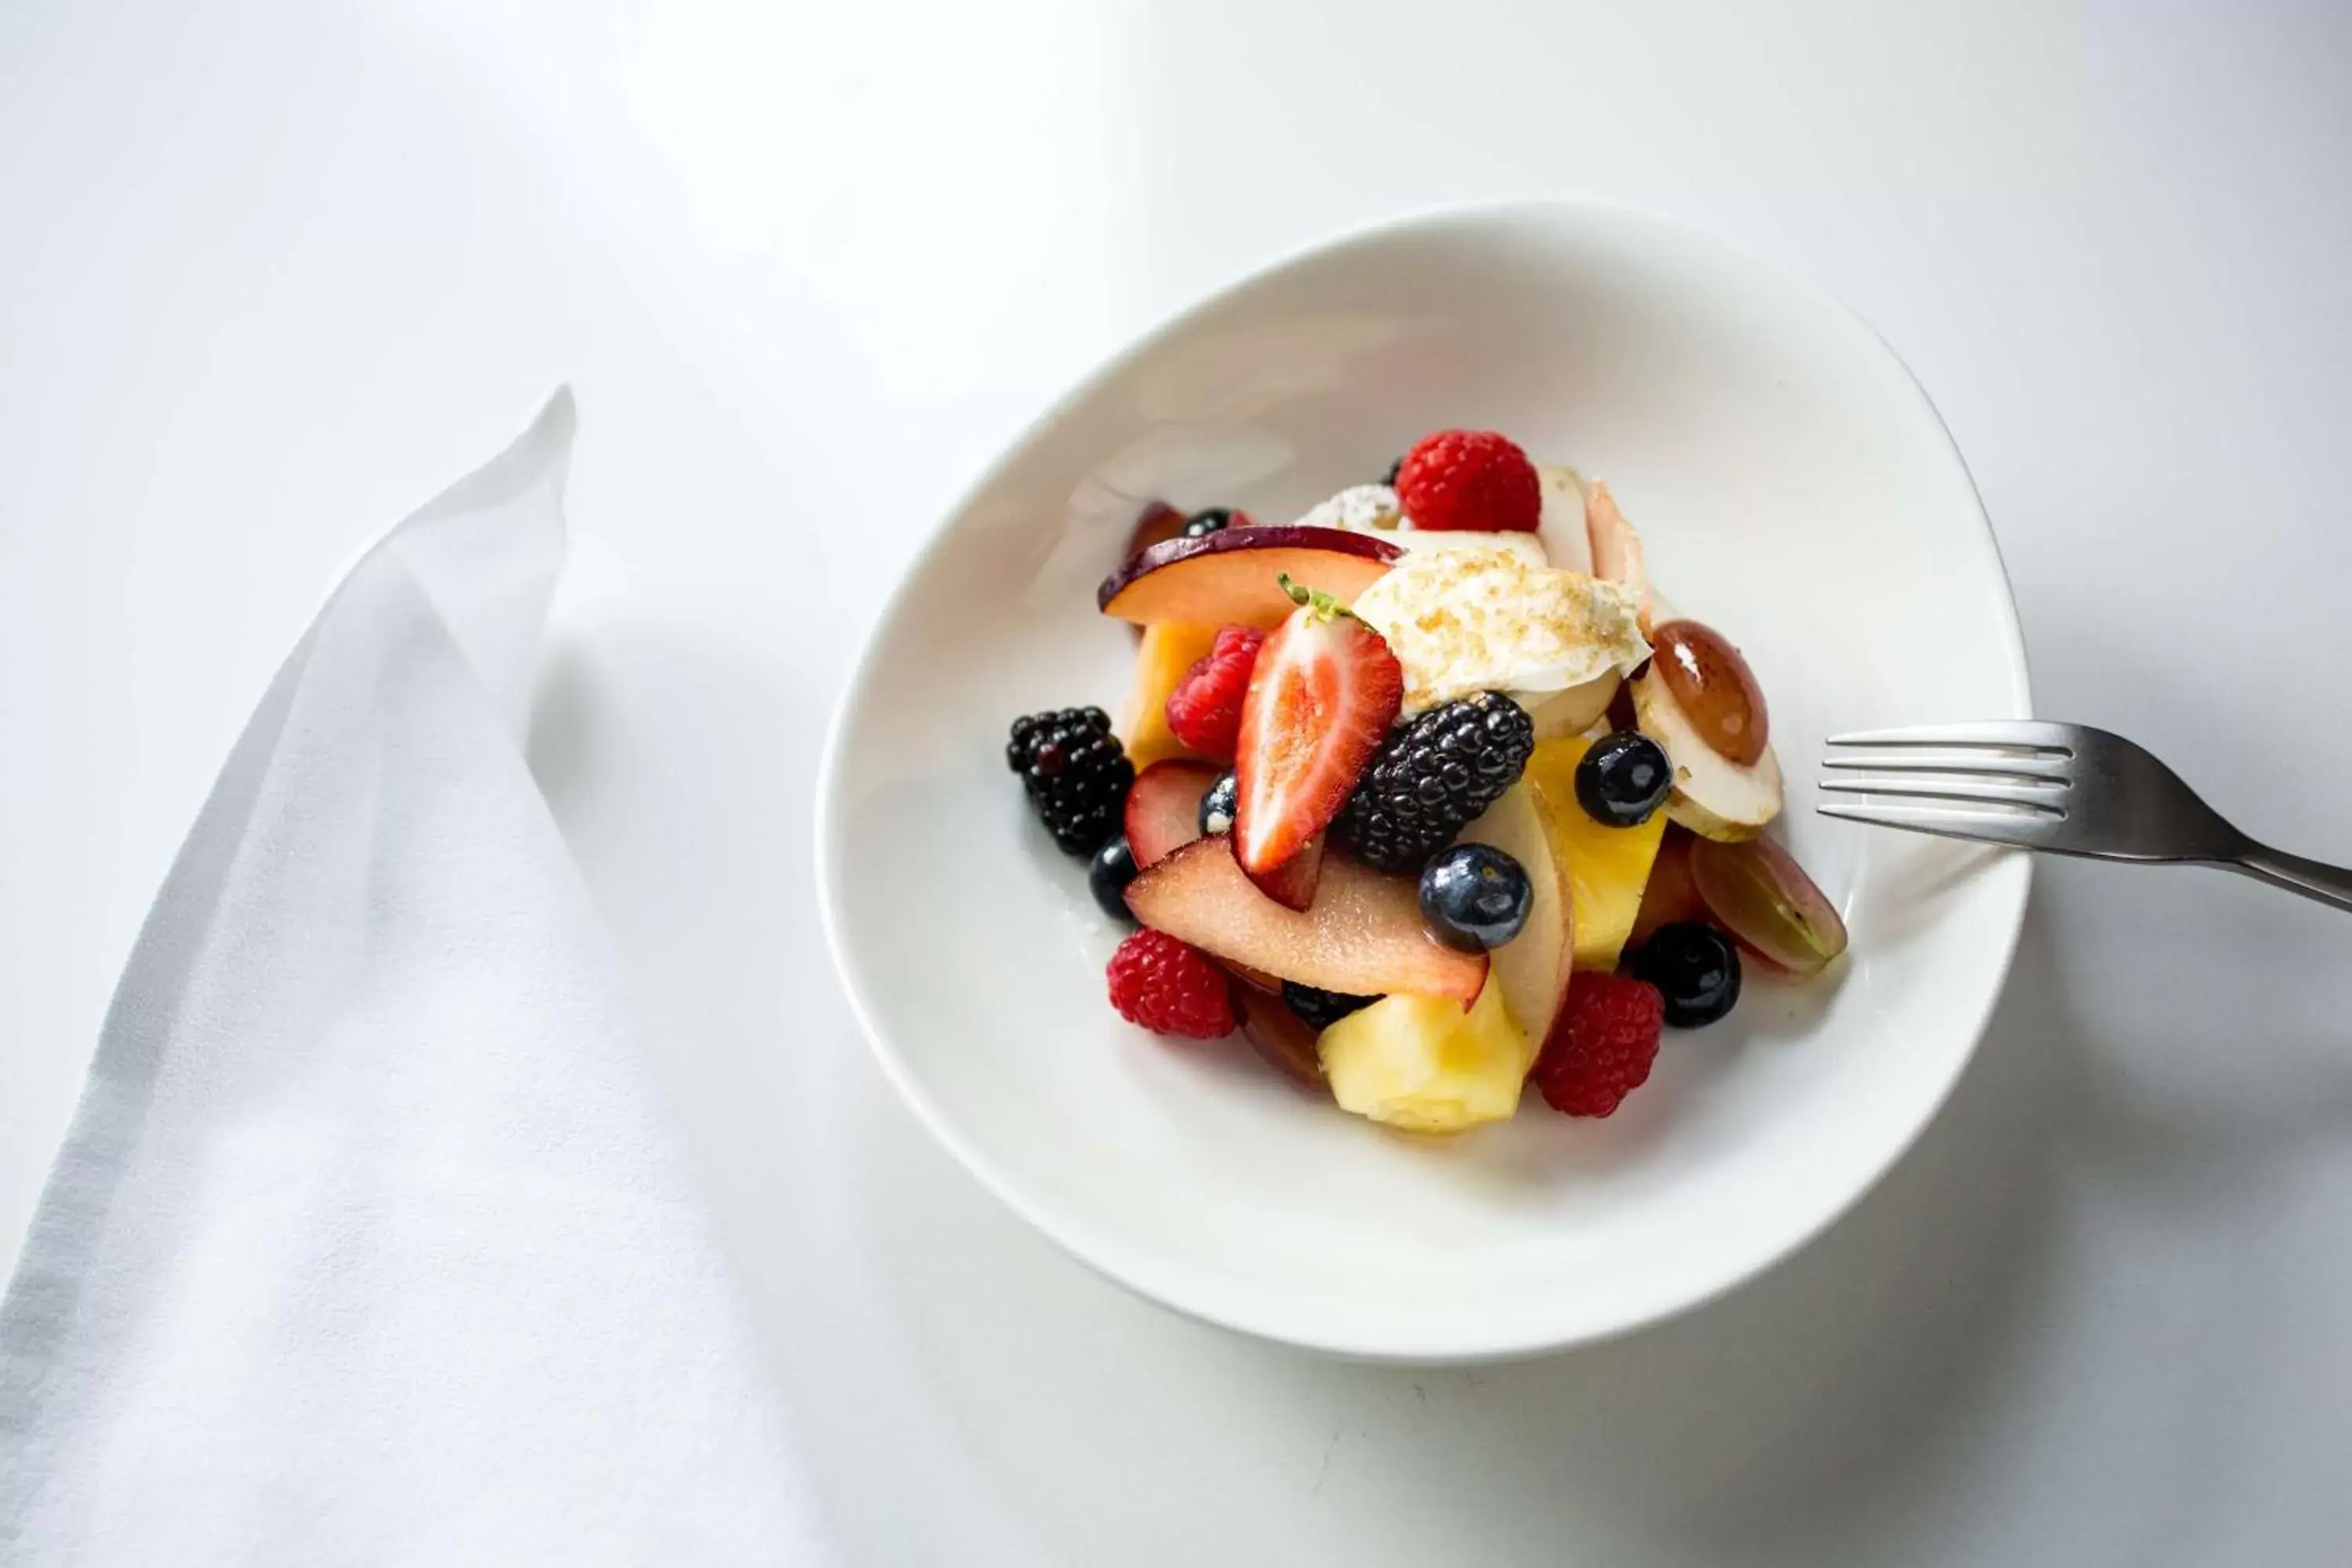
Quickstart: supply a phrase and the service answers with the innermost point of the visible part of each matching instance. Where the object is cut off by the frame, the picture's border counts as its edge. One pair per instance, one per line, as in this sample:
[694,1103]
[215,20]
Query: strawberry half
[1292,883]
[1321,699]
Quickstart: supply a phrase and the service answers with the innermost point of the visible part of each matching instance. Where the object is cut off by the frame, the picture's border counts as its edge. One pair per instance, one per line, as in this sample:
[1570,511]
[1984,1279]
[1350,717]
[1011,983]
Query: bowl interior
[1792,486]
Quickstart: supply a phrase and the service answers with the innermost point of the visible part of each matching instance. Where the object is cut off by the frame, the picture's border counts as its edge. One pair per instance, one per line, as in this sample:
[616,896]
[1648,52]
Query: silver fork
[2065,788]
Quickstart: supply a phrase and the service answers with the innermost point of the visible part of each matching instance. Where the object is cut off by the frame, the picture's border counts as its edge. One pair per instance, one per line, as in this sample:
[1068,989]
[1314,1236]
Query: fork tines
[2001,781]
[2013,736]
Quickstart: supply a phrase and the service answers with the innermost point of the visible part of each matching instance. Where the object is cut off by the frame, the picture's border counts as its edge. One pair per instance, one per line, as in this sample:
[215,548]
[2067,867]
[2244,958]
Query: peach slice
[1170,650]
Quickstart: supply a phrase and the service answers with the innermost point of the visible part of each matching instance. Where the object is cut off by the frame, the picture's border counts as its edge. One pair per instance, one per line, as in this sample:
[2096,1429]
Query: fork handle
[2328,884]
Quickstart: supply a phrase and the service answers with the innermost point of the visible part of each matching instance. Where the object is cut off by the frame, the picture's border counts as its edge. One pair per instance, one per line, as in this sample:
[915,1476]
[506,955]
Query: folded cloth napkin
[368,1242]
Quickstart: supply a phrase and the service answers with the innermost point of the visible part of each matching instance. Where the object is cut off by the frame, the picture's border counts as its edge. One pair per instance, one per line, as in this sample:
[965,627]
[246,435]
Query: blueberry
[1389,478]
[1624,779]
[1208,520]
[1475,896]
[1695,968]
[1318,1009]
[1109,873]
[1217,806]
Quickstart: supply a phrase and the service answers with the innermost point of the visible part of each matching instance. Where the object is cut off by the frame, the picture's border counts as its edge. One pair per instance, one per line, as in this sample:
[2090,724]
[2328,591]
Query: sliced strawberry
[1321,698]
[1292,883]
[1163,807]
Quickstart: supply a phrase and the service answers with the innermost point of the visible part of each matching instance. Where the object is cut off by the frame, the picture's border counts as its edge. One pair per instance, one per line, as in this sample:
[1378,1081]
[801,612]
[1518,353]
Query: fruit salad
[1430,795]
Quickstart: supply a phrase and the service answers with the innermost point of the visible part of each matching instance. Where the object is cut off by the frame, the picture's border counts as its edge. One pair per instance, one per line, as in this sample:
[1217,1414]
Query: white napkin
[368,1242]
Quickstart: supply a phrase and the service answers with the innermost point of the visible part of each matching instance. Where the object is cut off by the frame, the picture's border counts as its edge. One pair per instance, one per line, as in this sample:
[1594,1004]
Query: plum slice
[1164,808]
[1362,935]
[1281,1036]
[1231,578]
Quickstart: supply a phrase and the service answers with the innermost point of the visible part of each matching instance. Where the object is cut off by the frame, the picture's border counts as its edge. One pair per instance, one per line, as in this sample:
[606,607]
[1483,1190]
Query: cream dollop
[1465,620]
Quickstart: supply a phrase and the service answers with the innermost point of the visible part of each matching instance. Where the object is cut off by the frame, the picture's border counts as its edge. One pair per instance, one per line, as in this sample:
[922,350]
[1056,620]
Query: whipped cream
[1474,619]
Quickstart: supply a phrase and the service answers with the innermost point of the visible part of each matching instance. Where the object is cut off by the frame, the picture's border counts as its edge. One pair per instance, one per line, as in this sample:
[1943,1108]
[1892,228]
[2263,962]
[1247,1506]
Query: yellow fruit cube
[1421,1063]
[1607,866]
[1170,650]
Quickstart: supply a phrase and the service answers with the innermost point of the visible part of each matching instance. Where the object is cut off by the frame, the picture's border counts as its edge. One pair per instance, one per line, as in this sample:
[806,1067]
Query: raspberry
[1602,1047]
[1473,480]
[1170,987]
[1205,709]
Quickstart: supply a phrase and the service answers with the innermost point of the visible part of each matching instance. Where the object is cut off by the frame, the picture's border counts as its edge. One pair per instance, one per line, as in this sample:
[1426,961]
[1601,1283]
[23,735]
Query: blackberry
[1431,777]
[1077,774]
[1319,1009]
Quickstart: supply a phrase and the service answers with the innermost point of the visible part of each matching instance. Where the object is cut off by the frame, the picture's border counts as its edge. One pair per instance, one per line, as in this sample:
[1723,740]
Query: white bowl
[1793,486]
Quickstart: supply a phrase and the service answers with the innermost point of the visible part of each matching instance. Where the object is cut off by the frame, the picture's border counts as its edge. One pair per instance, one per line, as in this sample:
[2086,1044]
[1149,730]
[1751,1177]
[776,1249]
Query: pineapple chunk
[1607,866]
[1421,1064]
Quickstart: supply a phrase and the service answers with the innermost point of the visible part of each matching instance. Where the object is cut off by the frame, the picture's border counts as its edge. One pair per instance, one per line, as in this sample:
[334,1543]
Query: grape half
[1714,687]
[1759,893]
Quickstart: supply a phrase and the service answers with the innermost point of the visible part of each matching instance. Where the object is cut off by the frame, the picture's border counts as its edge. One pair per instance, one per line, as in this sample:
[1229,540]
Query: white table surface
[270,272]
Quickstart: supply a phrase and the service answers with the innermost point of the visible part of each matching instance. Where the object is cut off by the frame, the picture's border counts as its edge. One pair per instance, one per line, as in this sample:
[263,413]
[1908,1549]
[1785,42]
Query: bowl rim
[829,827]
